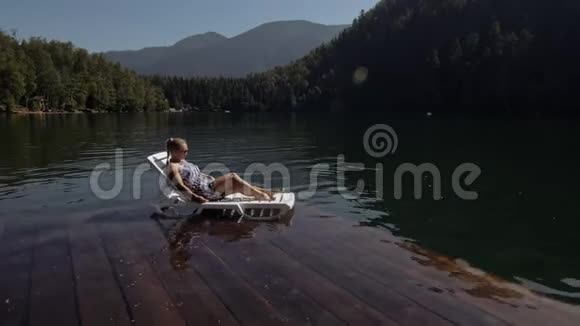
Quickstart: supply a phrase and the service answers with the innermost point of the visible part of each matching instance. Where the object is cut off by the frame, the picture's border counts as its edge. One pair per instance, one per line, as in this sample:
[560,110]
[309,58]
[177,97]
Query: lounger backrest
[159,161]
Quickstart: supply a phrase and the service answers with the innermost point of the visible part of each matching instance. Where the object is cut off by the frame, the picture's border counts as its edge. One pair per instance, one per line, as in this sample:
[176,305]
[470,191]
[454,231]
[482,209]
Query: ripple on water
[543,289]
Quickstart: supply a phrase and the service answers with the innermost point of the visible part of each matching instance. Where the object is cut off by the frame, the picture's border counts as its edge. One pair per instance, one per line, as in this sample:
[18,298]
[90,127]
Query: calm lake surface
[525,225]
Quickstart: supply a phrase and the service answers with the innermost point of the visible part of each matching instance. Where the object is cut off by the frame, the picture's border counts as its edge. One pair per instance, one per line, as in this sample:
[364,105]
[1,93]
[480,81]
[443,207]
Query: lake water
[524,226]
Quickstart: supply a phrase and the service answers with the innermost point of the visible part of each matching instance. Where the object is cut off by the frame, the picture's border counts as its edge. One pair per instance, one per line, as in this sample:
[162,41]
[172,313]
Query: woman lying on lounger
[202,187]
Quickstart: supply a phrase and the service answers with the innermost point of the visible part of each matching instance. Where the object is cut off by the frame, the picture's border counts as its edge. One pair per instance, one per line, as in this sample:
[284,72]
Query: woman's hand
[199,199]
[180,184]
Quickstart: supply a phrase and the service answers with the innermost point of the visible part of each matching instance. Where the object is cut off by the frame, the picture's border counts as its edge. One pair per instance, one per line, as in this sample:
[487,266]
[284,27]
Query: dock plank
[502,300]
[393,304]
[196,302]
[245,303]
[297,307]
[330,296]
[385,258]
[100,299]
[16,250]
[398,272]
[149,303]
[53,297]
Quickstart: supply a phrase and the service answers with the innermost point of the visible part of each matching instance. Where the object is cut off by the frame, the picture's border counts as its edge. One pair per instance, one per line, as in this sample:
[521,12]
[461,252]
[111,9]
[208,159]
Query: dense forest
[447,56]
[41,75]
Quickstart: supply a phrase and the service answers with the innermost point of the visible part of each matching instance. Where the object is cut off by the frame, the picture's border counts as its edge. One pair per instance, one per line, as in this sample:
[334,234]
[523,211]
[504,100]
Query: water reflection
[184,234]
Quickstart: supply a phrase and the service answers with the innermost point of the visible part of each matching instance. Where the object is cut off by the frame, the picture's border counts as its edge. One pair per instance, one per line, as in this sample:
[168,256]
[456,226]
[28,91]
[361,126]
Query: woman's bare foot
[263,196]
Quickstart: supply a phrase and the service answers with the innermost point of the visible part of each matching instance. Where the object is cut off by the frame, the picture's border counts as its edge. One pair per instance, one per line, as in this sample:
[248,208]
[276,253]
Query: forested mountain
[449,56]
[53,75]
[211,54]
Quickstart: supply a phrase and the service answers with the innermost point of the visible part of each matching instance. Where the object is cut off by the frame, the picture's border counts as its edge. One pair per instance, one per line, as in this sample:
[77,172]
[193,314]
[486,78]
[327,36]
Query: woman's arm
[175,177]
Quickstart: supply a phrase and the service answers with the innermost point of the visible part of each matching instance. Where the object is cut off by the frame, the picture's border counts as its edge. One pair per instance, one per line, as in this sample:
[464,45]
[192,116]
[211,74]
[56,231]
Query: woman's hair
[174,144]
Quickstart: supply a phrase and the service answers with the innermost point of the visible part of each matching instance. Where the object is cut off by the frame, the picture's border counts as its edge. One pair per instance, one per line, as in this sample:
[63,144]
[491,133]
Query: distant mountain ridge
[200,41]
[212,54]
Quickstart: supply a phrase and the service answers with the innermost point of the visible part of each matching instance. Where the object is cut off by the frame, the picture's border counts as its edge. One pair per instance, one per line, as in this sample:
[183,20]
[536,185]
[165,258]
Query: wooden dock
[122,267]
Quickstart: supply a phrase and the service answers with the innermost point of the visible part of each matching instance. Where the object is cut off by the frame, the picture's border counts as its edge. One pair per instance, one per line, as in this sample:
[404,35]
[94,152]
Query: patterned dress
[199,183]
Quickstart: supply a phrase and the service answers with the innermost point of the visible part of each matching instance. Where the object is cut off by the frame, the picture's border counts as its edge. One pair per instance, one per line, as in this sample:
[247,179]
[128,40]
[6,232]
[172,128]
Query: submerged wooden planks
[128,269]
[148,301]
[52,294]
[16,251]
[100,298]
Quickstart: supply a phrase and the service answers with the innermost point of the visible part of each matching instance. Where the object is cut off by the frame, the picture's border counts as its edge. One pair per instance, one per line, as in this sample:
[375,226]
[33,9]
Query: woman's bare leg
[232,183]
[241,186]
[269,192]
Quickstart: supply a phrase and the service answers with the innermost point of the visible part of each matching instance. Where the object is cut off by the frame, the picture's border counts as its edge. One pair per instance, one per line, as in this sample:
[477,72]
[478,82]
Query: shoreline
[26,111]
[46,113]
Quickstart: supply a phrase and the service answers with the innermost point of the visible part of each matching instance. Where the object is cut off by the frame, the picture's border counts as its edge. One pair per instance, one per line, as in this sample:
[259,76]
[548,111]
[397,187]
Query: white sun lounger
[235,206]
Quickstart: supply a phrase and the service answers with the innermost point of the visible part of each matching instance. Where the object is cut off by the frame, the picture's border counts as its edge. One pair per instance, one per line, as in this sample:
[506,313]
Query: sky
[101,25]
